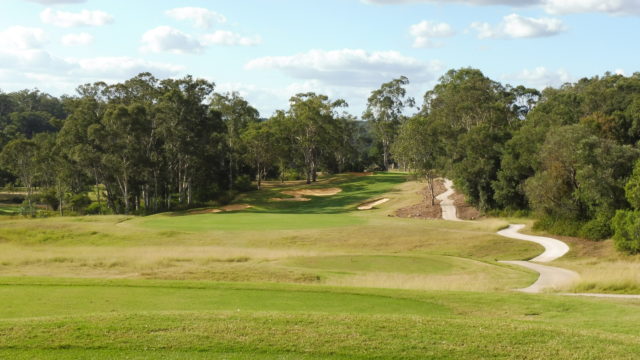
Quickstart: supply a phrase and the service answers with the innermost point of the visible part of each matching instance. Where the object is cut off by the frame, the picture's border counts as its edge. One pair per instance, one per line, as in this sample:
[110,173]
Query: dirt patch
[227,208]
[369,205]
[425,210]
[236,207]
[463,209]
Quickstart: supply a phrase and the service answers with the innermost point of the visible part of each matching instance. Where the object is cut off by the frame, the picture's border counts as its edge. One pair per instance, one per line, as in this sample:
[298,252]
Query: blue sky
[268,50]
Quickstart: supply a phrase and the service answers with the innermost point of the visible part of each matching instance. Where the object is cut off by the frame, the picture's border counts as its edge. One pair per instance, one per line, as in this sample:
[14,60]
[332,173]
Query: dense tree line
[566,155]
[149,145]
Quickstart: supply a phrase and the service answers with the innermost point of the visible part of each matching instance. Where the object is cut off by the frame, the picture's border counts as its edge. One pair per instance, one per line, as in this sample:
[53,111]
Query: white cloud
[201,17]
[168,39]
[425,31]
[613,7]
[22,38]
[223,37]
[66,19]
[516,26]
[81,39]
[468,2]
[349,67]
[269,99]
[56,2]
[540,77]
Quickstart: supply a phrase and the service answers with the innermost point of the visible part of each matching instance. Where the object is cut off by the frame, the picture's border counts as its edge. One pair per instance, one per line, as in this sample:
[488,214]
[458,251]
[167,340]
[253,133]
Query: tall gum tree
[384,110]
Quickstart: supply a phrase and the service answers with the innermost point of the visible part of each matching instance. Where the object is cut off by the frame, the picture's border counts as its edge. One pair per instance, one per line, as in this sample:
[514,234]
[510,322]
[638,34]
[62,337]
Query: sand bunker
[296,198]
[369,205]
[313,192]
[234,207]
[299,195]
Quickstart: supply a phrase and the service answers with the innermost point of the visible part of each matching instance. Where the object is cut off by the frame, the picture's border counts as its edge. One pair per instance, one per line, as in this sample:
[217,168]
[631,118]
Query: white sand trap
[313,192]
[296,198]
[371,204]
[299,195]
[234,207]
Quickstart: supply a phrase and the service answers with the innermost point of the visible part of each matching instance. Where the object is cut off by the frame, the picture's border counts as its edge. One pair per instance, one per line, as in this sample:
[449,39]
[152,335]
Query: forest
[567,156]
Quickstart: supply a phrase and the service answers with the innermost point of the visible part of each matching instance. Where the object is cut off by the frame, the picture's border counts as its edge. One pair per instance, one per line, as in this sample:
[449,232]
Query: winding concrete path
[449,211]
[551,277]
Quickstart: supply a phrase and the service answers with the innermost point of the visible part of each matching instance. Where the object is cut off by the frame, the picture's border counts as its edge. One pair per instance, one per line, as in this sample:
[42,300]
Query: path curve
[449,211]
[553,248]
[551,277]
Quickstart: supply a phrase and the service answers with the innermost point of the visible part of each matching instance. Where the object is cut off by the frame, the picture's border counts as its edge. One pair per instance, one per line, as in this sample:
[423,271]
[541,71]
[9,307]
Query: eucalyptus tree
[78,141]
[237,114]
[122,126]
[186,126]
[19,157]
[419,145]
[385,109]
[313,124]
[283,145]
[257,143]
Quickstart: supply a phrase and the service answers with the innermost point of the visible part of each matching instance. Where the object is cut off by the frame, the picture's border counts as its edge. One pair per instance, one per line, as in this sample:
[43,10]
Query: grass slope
[65,319]
[289,280]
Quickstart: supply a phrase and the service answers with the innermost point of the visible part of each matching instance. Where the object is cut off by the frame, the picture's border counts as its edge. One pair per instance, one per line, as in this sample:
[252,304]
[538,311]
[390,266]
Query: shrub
[626,229]
[50,198]
[559,226]
[598,228]
[97,209]
[243,183]
[80,202]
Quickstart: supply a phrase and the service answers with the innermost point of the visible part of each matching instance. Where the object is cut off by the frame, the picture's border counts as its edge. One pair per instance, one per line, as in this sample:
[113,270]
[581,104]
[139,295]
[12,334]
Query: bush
[598,228]
[626,229]
[80,203]
[243,183]
[97,209]
[50,198]
[292,174]
[559,226]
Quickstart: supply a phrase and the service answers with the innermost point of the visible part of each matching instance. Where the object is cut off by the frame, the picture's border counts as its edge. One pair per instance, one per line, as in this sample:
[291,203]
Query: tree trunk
[189,193]
[259,177]
[385,154]
[95,175]
[430,182]
[230,171]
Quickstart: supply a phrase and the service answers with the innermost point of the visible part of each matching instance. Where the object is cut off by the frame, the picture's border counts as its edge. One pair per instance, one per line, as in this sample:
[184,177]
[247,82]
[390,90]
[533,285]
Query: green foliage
[50,198]
[626,227]
[79,203]
[243,183]
[632,188]
[598,228]
[559,226]
[97,209]
[384,111]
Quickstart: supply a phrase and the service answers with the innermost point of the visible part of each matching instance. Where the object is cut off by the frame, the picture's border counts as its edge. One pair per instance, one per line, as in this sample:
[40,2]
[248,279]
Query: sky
[269,50]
